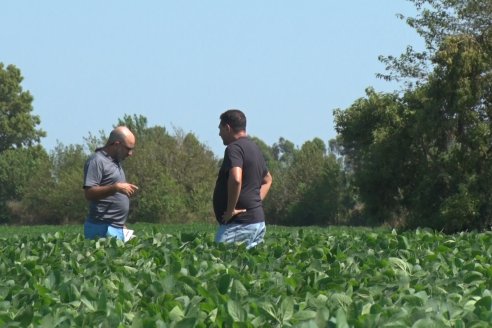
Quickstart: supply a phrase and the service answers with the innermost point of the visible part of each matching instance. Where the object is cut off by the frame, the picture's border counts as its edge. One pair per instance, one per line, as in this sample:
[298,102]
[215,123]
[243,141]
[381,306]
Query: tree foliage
[18,167]
[418,157]
[424,157]
[372,135]
[309,185]
[17,124]
[175,174]
[56,195]
[437,21]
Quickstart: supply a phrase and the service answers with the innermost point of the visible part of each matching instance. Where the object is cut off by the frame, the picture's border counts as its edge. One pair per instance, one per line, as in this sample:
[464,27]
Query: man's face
[124,149]
[224,133]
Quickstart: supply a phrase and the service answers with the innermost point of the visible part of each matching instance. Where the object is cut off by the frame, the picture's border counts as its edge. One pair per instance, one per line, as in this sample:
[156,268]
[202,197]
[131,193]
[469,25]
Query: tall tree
[373,135]
[425,156]
[174,173]
[136,123]
[437,20]
[55,195]
[19,168]
[17,124]
[309,185]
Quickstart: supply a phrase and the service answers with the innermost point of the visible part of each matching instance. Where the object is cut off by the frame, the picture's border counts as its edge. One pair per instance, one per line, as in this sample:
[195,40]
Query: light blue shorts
[250,234]
[101,230]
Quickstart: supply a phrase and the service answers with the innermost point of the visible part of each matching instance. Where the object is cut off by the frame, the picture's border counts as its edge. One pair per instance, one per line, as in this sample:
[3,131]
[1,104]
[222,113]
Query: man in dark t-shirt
[242,184]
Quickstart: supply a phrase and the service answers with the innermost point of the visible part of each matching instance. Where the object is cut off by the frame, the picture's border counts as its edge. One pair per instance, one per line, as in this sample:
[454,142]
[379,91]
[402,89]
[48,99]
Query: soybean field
[176,276]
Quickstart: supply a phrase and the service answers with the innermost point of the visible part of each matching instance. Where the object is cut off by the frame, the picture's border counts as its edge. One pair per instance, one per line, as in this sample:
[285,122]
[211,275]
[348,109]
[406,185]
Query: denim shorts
[250,234]
[101,230]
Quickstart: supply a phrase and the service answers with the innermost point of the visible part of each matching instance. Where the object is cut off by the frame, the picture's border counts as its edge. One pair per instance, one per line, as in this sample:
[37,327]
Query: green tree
[423,157]
[18,168]
[17,124]
[276,205]
[437,20]
[373,133]
[456,104]
[316,185]
[55,195]
[267,152]
[279,160]
[196,170]
[283,151]
[136,124]
[309,186]
[175,175]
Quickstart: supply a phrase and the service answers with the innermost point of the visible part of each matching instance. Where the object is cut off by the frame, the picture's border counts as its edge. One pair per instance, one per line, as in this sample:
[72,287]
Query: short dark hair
[235,119]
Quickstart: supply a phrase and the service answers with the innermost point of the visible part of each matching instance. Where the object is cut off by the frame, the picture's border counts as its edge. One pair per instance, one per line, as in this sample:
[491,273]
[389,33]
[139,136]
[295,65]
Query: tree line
[420,156]
[175,173]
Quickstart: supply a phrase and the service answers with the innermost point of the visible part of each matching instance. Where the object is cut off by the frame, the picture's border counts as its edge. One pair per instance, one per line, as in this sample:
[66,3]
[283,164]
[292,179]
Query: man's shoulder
[243,147]
[243,142]
[98,157]
[94,156]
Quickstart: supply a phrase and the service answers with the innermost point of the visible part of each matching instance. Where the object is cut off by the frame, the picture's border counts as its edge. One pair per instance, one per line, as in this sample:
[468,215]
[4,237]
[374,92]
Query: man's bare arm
[265,185]
[100,192]
[234,184]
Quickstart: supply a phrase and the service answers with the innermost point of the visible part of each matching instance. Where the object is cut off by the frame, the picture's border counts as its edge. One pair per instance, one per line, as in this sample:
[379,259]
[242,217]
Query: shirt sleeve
[235,155]
[92,173]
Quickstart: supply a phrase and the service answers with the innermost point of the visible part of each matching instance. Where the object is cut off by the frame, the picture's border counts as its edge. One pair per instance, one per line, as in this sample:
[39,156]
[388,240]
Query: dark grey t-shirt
[101,170]
[243,153]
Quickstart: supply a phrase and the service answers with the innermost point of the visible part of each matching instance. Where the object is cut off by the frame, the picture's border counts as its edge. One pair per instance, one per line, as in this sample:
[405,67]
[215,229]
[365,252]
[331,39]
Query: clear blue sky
[286,64]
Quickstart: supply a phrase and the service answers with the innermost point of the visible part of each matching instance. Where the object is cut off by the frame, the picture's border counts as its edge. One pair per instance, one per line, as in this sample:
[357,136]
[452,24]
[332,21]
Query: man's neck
[240,134]
[107,151]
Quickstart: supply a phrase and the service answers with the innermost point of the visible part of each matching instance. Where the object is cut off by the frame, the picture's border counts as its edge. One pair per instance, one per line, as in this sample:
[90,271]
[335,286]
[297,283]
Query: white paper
[127,234]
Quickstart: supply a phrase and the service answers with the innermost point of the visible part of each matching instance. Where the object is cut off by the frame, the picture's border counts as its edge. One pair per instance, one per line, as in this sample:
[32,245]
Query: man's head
[121,143]
[232,125]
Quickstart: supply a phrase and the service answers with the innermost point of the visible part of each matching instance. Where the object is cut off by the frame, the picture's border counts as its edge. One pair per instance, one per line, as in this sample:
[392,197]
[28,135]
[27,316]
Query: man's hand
[229,215]
[126,188]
